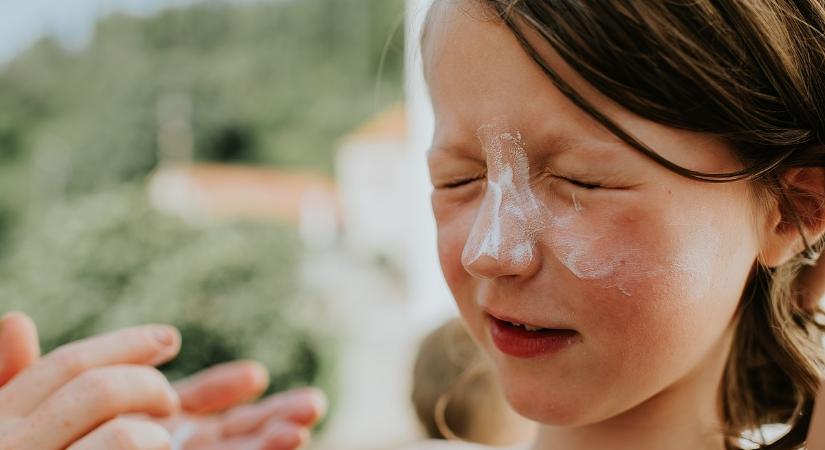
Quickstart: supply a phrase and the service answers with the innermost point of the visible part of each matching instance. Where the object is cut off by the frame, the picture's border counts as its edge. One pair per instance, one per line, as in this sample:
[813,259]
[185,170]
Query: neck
[686,415]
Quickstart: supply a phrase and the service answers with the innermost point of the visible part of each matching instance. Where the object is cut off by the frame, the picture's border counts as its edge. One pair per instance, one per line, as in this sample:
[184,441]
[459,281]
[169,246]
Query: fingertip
[15,315]
[306,406]
[19,344]
[318,400]
[166,335]
[168,339]
[280,435]
[256,375]
[20,323]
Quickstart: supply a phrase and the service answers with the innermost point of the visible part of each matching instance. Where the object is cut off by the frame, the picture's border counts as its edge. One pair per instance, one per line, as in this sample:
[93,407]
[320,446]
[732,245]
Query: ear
[803,210]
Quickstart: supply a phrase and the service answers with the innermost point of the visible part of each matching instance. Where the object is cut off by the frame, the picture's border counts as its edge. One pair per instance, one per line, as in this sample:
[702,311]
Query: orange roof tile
[256,192]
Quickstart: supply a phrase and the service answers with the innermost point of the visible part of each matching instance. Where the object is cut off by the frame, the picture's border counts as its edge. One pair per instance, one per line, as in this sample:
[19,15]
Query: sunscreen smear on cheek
[512,227]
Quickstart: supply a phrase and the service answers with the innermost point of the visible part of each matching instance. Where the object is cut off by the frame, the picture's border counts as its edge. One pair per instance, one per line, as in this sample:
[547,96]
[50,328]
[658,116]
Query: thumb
[19,346]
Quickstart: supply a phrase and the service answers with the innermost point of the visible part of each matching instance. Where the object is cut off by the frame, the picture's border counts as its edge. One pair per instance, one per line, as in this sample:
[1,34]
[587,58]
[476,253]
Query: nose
[489,267]
[500,242]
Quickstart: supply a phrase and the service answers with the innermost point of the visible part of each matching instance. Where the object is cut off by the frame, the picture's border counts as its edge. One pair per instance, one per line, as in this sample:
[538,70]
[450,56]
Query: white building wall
[371,175]
[430,299]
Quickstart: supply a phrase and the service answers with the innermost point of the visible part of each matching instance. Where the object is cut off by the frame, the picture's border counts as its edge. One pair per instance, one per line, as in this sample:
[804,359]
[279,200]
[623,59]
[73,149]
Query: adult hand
[19,346]
[72,398]
[214,415]
[279,422]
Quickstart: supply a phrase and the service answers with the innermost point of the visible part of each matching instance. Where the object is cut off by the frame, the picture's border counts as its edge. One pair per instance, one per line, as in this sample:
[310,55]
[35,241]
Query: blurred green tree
[267,83]
[110,260]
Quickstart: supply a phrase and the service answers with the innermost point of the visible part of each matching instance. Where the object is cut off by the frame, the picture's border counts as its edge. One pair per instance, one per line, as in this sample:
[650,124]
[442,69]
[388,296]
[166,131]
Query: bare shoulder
[451,445]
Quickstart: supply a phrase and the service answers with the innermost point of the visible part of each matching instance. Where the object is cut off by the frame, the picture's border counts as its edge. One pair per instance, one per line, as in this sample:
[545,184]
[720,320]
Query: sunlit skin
[646,369]
[54,402]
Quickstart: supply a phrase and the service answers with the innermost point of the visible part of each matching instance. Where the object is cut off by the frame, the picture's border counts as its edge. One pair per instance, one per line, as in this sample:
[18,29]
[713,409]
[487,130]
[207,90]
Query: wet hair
[751,73]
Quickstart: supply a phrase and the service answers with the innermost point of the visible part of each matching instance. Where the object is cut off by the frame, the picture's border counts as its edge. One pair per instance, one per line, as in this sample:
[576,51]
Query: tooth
[529,328]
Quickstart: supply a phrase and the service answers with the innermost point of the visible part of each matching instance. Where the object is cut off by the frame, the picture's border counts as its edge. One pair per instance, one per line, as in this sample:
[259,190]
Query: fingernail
[164,336]
[312,402]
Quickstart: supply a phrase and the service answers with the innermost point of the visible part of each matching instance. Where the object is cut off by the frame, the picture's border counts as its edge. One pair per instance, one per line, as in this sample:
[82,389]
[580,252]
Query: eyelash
[582,184]
[463,182]
[577,183]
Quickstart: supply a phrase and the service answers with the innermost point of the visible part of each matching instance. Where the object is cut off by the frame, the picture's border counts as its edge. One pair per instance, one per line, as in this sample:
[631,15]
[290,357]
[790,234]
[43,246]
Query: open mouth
[525,327]
[525,341]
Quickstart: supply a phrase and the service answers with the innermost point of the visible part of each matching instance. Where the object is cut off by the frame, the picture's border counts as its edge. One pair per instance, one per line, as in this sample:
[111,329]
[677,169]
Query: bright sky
[23,22]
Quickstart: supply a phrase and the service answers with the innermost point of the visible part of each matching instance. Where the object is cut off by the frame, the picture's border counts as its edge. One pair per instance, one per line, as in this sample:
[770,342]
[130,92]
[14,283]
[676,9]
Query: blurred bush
[109,260]
[268,83]
[256,83]
[275,83]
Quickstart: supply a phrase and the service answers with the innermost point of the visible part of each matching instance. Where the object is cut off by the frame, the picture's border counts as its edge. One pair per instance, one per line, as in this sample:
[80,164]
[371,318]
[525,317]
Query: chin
[555,406]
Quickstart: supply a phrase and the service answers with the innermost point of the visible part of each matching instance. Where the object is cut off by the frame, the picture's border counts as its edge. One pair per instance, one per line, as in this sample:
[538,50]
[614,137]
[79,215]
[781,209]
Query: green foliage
[287,72]
[268,83]
[110,260]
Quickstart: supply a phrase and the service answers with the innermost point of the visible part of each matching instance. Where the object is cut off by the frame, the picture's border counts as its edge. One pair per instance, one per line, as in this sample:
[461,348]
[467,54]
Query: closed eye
[582,184]
[457,183]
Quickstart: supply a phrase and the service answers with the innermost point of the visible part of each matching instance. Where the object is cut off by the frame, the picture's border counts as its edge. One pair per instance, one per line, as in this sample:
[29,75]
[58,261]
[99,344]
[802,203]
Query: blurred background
[252,172]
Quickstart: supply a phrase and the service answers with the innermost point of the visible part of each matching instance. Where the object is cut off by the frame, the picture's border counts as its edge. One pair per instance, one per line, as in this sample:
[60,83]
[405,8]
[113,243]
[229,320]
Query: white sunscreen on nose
[509,209]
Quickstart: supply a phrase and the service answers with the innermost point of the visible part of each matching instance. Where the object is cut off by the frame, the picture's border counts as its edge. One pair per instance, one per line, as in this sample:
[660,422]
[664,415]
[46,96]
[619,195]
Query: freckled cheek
[640,318]
[666,298]
[656,255]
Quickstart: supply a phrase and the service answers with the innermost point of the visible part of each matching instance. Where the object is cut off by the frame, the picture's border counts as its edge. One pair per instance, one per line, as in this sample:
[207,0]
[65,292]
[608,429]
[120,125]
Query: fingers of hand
[300,406]
[222,387]
[206,434]
[274,435]
[152,345]
[19,345]
[97,396]
[281,435]
[125,434]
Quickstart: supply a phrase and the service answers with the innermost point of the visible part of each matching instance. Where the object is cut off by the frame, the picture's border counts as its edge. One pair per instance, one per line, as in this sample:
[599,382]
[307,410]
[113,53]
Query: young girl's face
[546,219]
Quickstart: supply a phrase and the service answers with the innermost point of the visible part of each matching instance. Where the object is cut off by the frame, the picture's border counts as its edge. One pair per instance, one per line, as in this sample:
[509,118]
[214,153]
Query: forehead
[477,71]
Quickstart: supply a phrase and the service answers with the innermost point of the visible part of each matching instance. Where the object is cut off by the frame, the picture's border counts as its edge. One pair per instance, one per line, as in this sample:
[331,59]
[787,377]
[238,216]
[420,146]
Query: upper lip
[512,319]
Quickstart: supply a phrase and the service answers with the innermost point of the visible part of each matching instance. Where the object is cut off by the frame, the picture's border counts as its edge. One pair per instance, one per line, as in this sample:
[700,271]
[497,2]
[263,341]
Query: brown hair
[751,73]
[454,391]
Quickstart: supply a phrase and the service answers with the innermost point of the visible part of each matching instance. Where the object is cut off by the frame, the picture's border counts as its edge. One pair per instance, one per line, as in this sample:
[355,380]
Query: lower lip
[518,342]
